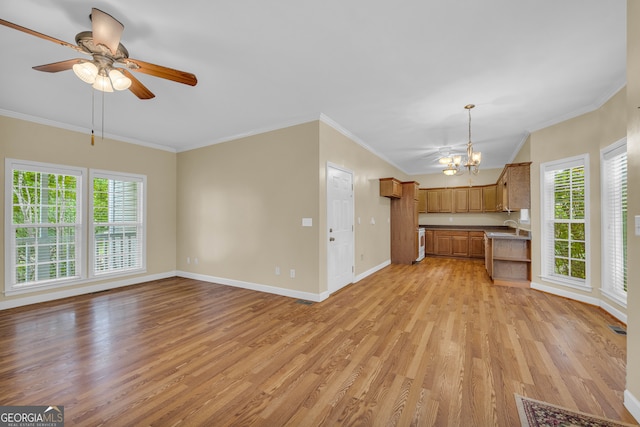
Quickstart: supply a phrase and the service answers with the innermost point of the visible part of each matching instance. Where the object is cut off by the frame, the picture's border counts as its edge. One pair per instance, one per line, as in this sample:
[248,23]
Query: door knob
[331,239]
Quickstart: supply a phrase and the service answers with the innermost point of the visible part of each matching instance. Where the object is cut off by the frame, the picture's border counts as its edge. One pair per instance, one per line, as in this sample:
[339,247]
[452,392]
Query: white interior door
[340,233]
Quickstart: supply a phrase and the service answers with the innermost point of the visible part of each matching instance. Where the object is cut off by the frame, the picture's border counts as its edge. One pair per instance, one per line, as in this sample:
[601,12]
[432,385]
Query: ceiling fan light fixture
[86,71]
[103,83]
[119,80]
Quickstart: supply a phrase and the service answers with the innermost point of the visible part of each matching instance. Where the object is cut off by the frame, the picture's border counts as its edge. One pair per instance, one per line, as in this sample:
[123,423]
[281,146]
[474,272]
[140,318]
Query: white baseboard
[50,296]
[274,289]
[582,298]
[370,271]
[256,287]
[632,404]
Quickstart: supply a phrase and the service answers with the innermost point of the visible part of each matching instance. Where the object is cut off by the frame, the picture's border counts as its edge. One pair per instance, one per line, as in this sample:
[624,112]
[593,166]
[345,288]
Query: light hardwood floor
[430,344]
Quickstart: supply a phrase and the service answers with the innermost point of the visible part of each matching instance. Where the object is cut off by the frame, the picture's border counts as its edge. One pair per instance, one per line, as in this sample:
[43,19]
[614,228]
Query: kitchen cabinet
[475,199]
[404,225]
[461,199]
[508,260]
[489,202]
[422,200]
[390,187]
[512,192]
[513,188]
[429,248]
[439,200]
[476,244]
[451,243]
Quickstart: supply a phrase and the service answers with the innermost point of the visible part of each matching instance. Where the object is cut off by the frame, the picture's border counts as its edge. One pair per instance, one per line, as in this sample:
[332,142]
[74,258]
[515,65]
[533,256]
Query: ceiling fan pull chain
[103,116]
[92,115]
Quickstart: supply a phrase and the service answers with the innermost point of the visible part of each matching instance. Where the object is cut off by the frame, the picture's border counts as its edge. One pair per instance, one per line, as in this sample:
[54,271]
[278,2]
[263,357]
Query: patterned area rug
[534,413]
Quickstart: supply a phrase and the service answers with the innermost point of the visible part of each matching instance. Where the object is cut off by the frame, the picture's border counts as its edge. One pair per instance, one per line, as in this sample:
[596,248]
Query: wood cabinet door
[433,201]
[475,199]
[442,243]
[429,244]
[460,245]
[518,188]
[476,244]
[422,200]
[446,200]
[461,200]
[489,198]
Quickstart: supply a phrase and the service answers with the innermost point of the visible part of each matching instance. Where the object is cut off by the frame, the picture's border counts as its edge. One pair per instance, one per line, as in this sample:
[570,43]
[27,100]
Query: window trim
[10,287]
[547,270]
[610,292]
[142,202]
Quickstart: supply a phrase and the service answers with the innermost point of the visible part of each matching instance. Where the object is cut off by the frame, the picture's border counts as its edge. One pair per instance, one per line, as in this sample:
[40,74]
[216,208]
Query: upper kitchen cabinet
[422,200]
[489,202]
[390,187]
[513,188]
[439,200]
[461,199]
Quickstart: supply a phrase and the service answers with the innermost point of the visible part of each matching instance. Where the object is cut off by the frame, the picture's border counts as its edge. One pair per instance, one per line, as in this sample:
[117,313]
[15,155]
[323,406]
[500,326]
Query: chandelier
[471,163]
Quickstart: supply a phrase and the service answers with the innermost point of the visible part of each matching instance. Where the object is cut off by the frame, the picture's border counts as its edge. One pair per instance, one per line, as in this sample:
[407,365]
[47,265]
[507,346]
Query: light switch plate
[307,222]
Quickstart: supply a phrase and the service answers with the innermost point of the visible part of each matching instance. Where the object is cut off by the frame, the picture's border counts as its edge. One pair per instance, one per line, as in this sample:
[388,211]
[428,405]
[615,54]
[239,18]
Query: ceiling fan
[444,155]
[103,45]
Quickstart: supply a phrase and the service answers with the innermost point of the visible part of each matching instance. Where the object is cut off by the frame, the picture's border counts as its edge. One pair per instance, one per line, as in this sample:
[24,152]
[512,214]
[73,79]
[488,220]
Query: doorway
[340,230]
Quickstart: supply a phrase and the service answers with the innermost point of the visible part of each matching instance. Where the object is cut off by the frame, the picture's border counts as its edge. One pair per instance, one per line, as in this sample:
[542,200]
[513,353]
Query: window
[613,162]
[117,211]
[43,223]
[565,230]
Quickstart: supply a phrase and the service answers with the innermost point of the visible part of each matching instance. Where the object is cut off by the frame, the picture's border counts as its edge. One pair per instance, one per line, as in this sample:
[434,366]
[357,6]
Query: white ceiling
[395,75]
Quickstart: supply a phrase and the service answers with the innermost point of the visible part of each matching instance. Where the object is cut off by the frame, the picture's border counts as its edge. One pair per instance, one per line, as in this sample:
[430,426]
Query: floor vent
[618,330]
[304,302]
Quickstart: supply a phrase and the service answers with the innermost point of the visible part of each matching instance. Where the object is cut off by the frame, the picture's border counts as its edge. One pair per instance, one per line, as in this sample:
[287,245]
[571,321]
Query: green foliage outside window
[569,226]
[44,207]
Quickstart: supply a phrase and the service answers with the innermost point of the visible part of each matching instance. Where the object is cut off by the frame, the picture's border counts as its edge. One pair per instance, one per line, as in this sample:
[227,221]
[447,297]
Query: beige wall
[240,209]
[633,179]
[587,133]
[35,142]
[241,204]
[372,241]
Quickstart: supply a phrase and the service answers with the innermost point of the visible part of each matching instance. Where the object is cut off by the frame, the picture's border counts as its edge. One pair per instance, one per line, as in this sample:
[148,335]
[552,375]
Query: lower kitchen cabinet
[476,244]
[455,243]
[508,261]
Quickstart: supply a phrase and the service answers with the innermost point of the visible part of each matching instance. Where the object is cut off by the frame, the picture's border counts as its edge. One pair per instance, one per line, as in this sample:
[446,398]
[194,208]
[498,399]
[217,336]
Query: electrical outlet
[292,273]
[277,271]
[188,260]
[195,261]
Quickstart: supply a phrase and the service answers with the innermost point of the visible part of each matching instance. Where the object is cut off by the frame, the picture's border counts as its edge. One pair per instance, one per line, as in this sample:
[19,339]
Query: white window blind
[117,238]
[565,228]
[614,221]
[43,223]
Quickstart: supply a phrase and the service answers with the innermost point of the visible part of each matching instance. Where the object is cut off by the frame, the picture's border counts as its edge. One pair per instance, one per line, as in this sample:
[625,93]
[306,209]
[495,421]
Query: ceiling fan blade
[58,66]
[137,88]
[107,30]
[37,34]
[162,72]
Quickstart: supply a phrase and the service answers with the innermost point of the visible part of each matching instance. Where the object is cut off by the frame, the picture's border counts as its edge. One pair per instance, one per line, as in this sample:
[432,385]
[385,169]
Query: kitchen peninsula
[506,251]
